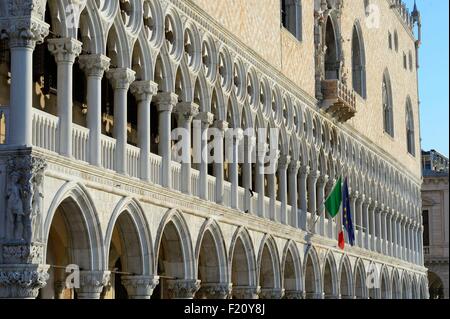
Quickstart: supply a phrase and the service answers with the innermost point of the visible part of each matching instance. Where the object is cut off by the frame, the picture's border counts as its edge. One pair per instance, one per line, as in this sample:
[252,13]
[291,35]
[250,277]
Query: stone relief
[24,197]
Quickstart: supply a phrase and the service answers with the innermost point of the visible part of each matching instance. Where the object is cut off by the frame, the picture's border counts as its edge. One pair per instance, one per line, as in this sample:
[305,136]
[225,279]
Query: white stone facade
[136,223]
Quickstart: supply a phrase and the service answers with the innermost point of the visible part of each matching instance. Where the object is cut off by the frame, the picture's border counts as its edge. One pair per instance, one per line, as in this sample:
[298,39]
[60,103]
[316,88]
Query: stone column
[404,238]
[414,237]
[283,164]
[259,175]
[366,206]
[312,181]
[183,288]
[321,184]
[143,92]
[372,221]
[140,287]
[303,192]
[166,102]
[271,182]
[23,34]
[246,292]
[222,127]
[395,234]
[215,291]
[206,119]
[234,141]
[360,209]
[65,50]
[186,111]
[250,142]
[408,225]
[294,220]
[399,237]
[92,284]
[120,81]
[353,199]
[94,66]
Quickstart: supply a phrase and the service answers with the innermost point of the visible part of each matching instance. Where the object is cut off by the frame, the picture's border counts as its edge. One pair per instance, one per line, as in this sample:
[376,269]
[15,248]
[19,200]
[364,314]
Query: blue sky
[434,74]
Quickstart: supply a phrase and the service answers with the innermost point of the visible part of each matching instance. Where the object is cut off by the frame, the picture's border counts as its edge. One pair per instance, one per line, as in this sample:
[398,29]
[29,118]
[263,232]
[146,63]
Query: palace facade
[93,204]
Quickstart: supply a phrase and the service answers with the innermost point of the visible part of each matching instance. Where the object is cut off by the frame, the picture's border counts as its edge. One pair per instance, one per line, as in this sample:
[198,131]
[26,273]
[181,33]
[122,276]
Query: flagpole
[320,209]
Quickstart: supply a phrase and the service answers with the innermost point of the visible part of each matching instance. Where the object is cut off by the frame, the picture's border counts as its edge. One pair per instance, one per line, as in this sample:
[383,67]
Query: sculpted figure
[15,208]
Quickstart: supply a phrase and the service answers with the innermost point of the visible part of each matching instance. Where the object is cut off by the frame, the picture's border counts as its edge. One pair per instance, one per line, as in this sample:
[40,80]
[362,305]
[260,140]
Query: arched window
[390,40]
[291,17]
[358,62]
[410,135]
[388,116]
[396,40]
[331,55]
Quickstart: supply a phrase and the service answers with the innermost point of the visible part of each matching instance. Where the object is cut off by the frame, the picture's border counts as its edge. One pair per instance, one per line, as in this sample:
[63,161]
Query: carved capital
[92,283]
[206,118]
[143,90]
[121,78]
[186,111]
[140,287]
[23,253]
[304,170]
[24,32]
[215,291]
[283,162]
[94,65]
[166,102]
[246,292]
[221,125]
[291,294]
[65,50]
[22,281]
[183,289]
[294,166]
[234,135]
[271,293]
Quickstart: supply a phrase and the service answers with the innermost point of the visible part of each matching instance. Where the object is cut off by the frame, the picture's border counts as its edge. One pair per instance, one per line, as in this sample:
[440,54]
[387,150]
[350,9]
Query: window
[426,230]
[396,40]
[405,61]
[331,56]
[390,40]
[291,17]
[358,62]
[410,61]
[410,136]
[388,117]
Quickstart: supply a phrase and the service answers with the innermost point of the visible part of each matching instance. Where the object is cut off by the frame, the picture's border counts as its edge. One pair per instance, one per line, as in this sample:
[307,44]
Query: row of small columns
[404,234]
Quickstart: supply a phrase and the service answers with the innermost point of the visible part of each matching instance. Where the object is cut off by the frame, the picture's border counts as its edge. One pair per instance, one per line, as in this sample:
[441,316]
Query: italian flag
[333,205]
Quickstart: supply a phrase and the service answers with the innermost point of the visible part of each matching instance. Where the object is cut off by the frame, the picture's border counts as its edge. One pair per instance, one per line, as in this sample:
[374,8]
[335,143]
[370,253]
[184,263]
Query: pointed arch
[83,222]
[218,252]
[345,278]
[129,216]
[242,259]
[179,233]
[358,61]
[387,103]
[312,275]
[292,274]
[330,277]
[269,270]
